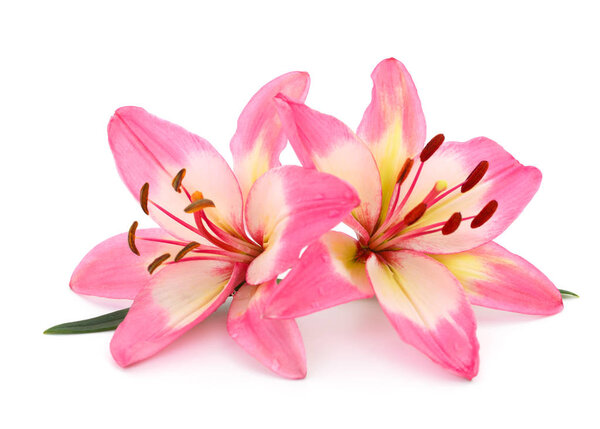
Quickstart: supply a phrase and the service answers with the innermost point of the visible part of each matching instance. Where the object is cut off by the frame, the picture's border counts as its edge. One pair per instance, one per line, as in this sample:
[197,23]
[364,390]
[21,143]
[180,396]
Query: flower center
[223,245]
[394,229]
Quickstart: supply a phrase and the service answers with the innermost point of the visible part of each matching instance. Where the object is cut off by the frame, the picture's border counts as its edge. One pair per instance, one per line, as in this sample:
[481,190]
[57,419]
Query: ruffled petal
[276,344]
[328,274]
[496,278]
[288,208]
[507,181]
[325,143]
[152,150]
[393,125]
[259,139]
[112,270]
[427,307]
[180,296]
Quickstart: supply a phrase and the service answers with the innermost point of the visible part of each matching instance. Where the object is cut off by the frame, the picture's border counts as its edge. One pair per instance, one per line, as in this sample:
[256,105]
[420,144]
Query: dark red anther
[144,197]
[405,171]
[485,214]
[475,176]
[131,238]
[155,264]
[415,214]
[452,224]
[433,145]
[178,179]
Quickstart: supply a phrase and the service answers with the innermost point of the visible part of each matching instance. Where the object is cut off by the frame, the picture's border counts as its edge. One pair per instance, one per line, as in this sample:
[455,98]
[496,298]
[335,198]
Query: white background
[524,74]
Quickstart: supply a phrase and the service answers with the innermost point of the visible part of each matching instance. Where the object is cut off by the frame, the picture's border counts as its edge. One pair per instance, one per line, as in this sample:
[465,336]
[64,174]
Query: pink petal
[427,307]
[288,208]
[276,344]
[149,149]
[259,138]
[507,181]
[112,270]
[326,275]
[178,297]
[325,143]
[493,277]
[393,125]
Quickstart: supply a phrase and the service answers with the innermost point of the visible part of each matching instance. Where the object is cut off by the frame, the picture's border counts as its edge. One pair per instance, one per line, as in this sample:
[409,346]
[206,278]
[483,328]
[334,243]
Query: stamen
[178,179]
[192,245]
[452,223]
[155,264]
[131,238]
[431,147]
[144,197]
[485,214]
[415,214]
[475,176]
[199,205]
[405,171]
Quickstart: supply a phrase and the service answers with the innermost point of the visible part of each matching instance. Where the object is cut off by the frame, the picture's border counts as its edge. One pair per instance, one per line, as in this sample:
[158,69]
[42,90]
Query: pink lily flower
[218,230]
[425,225]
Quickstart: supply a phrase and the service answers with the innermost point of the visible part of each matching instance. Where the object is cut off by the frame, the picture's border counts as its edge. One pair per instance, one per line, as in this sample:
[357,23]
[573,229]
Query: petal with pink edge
[323,142]
[276,344]
[327,274]
[259,138]
[496,278]
[393,125]
[112,270]
[149,149]
[507,181]
[427,307]
[177,298]
[288,208]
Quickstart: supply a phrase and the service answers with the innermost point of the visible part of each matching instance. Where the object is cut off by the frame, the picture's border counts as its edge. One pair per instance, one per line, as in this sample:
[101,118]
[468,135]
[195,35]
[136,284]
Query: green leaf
[106,322]
[568,293]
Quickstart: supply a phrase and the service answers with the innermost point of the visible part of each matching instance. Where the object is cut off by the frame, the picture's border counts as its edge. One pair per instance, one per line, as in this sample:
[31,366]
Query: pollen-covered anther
[157,262]
[144,197]
[178,179]
[485,214]
[199,205]
[405,171]
[452,223]
[431,147]
[415,214]
[188,248]
[475,177]
[131,238]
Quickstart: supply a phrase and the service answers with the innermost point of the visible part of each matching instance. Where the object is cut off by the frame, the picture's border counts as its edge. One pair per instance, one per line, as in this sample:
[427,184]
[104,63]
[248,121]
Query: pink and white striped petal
[427,307]
[327,274]
[177,298]
[496,278]
[287,209]
[112,270]
[149,149]
[276,344]
[323,142]
[259,139]
[507,181]
[393,125]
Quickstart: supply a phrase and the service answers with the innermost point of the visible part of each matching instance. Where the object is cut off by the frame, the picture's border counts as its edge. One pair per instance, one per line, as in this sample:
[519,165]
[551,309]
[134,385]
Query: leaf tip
[568,293]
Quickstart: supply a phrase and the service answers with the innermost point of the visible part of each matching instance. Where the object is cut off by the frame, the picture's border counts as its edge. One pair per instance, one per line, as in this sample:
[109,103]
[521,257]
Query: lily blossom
[425,224]
[220,232]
